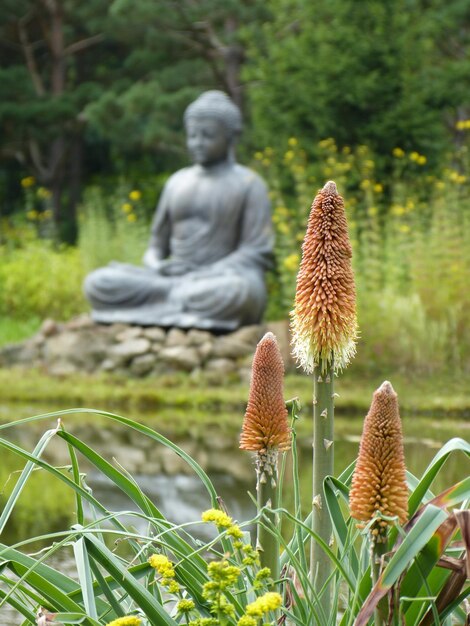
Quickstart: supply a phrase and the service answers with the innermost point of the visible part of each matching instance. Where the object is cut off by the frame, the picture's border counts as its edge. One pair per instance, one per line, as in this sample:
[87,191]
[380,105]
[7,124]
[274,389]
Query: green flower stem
[323,457]
[378,549]
[268,495]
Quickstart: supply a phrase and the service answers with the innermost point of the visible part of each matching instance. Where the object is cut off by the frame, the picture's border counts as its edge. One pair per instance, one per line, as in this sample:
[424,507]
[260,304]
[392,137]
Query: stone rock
[49,328]
[220,366]
[143,364]
[239,464]
[108,365]
[230,347]
[117,328]
[9,354]
[197,337]
[176,337]
[172,463]
[181,357]
[282,332]
[133,459]
[79,322]
[249,334]
[155,334]
[84,350]
[62,368]
[125,351]
[205,350]
[129,333]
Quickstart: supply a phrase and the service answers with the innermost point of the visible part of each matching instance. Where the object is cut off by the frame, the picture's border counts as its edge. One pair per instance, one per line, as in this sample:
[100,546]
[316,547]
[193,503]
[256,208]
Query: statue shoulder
[175,178]
[251,178]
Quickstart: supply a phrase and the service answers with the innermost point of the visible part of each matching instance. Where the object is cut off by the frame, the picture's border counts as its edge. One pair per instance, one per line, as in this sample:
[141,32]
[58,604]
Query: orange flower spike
[265,424]
[324,326]
[379,480]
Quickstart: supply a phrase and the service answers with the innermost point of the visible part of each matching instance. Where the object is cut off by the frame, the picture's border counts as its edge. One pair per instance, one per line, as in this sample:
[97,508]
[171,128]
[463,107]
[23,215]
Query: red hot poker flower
[265,424]
[379,480]
[324,325]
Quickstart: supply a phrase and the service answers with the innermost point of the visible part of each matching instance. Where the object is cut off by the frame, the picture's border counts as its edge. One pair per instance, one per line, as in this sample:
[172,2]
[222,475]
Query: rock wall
[82,345]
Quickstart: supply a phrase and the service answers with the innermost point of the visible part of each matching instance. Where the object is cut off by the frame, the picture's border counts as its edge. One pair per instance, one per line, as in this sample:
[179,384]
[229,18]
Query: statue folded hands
[211,239]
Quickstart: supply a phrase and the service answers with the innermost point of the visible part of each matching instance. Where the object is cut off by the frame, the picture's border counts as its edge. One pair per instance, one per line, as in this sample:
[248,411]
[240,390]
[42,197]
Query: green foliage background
[372,94]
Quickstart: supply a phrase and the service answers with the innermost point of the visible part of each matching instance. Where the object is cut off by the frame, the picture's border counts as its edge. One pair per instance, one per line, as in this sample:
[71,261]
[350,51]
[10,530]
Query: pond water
[180,495]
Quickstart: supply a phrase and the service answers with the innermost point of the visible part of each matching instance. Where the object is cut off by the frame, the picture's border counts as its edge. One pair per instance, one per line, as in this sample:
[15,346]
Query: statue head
[213,123]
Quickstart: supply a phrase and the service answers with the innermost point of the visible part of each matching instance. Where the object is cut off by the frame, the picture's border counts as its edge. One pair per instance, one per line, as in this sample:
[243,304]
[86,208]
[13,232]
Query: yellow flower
[365,184]
[421,160]
[283,228]
[125,621]
[258,156]
[398,210]
[404,228]
[266,162]
[163,565]
[219,518]
[247,620]
[235,532]
[135,195]
[372,211]
[378,188]
[29,181]
[462,125]
[440,184]
[292,142]
[369,164]
[132,217]
[270,601]
[185,605]
[327,143]
[414,156]
[289,155]
[398,153]
[32,215]
[43,193]
[127,207]
[346,150]
[291,262]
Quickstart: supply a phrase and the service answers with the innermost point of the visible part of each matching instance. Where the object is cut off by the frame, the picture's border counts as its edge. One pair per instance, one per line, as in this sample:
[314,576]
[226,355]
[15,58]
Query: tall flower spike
[324,326]
[379,480]
[265,423]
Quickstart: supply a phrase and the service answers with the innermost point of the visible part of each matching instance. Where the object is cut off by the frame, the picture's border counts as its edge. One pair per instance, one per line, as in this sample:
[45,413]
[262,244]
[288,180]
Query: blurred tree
[48,75]
[370,72]
[75,75]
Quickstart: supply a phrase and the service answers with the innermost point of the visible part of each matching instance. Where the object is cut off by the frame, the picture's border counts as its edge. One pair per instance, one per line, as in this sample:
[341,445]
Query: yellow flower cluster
[463,125]
[455,177]
[247,620]
[27,182]
[166,570]
[185,605]
[219,518]
[291,262]
[418,158]
[43,193]
[270,601]
[135,195]
[125,621]
[398,153]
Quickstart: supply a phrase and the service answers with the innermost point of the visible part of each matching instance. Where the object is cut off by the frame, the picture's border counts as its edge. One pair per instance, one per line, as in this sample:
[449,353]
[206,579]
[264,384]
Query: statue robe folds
[212,239]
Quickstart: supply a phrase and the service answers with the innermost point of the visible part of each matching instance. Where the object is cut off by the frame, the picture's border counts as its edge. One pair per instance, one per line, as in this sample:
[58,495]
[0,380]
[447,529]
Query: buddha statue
[211,239]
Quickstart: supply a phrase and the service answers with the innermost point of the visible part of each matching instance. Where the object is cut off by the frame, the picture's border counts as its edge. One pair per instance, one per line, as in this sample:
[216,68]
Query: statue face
[207,140]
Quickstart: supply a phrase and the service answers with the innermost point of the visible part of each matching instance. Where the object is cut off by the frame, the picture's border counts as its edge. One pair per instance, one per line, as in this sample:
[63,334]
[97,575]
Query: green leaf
[419,535]
[154,611]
